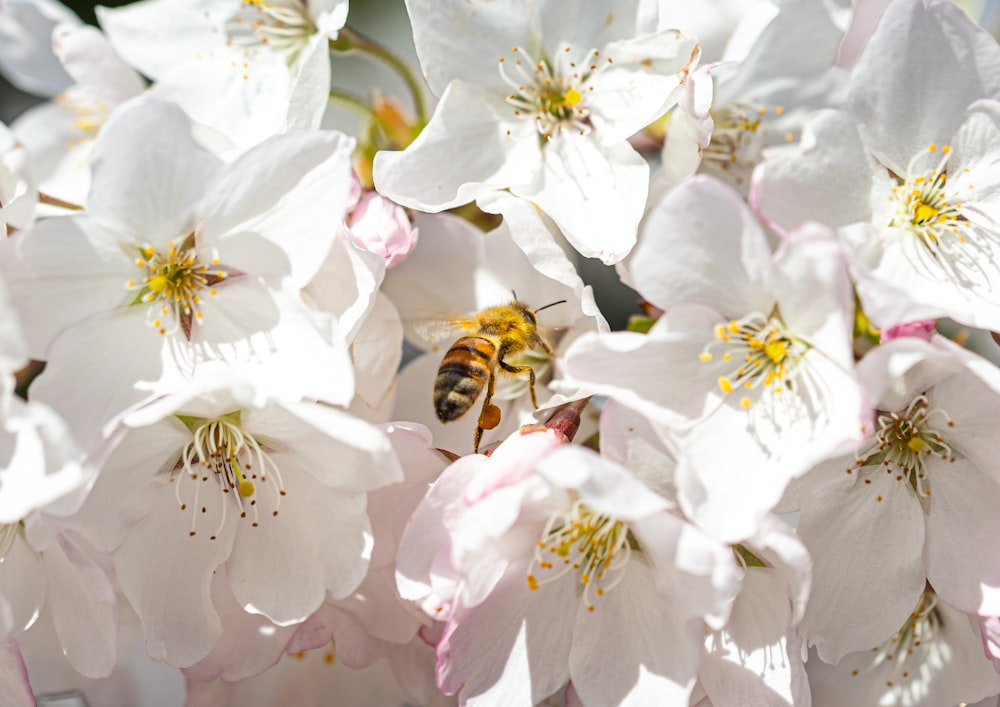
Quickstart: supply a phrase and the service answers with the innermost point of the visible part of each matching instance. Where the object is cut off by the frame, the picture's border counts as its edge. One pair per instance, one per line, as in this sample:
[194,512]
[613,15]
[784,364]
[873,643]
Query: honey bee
[474,360]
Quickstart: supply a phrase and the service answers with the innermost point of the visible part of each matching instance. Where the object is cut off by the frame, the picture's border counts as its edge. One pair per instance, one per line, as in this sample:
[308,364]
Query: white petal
[701,245]
[83,606]
[957,62]
[864,536]
[13,676]
[632,649]
[961,556]
[26,36]
[464,152]
[595,193]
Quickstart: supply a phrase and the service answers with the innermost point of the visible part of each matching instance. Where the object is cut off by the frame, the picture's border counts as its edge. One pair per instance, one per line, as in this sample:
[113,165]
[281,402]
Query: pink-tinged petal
[84,617]
[696,574]
[423,571]
[283,567]
[375,605]
[60,272]
[602,485]
[472,145]
[250,643]
[827,177]
[14,683]
[699,235]
[389,508]
[634,636]
[527,656]
[166,574]
[867,536]
[413,668]
[920,329]
[957,62]
[595,193]
[292,190]
[22,583]
[149,173]
[961,557]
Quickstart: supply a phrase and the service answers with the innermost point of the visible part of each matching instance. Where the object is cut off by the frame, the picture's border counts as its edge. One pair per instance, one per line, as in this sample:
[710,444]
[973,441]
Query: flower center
[910,643]
[219,449]
[555,95]
[739,133]
[172,283]
[283,26]
[903,443]
[89,113]
[594,545]
[764,355]
[926,209]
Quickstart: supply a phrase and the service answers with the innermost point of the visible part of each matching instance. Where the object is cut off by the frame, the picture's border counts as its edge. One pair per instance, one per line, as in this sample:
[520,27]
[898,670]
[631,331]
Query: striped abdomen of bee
[464,372]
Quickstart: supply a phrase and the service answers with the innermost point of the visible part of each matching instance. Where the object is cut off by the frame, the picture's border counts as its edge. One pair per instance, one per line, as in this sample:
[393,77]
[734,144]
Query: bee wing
[437,330]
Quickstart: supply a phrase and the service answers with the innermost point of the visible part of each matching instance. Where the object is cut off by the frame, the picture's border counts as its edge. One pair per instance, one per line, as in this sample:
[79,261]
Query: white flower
[18,186]
[935,658]
[908,177]
[750,370]
[728,112]
[574,569]
[218,474]
[178,258]
[60,134]
[913,504]
[550,125]
[247,68]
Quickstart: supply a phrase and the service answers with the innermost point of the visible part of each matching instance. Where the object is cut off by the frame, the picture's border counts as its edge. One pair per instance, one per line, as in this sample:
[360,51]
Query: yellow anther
[725,384]
[744,403]
[705,356]
[776,350]
[924,212]
[532,582]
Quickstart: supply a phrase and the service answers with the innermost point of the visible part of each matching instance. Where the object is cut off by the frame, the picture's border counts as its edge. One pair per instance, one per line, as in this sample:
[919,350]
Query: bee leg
[522,369]
[483,423]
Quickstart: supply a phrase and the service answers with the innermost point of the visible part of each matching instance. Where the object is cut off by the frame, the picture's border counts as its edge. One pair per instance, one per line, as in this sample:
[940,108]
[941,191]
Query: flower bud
[382,227]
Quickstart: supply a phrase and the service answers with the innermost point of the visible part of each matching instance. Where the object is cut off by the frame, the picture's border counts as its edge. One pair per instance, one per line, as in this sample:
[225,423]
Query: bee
[474,360]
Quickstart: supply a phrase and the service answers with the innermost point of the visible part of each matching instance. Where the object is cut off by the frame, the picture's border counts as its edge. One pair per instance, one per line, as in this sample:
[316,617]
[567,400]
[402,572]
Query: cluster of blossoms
[222,484]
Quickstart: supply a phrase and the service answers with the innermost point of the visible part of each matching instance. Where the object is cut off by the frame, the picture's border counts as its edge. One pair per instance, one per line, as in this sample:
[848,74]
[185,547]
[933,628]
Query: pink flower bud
[381,226]
[920,329]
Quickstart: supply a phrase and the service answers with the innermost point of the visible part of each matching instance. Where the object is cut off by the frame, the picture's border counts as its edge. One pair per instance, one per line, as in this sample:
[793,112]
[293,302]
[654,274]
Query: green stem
[350,40]
[358,105]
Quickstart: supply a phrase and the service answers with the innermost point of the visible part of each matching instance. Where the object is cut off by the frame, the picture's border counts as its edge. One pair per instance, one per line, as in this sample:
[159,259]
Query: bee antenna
[551,304]
[515,295]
